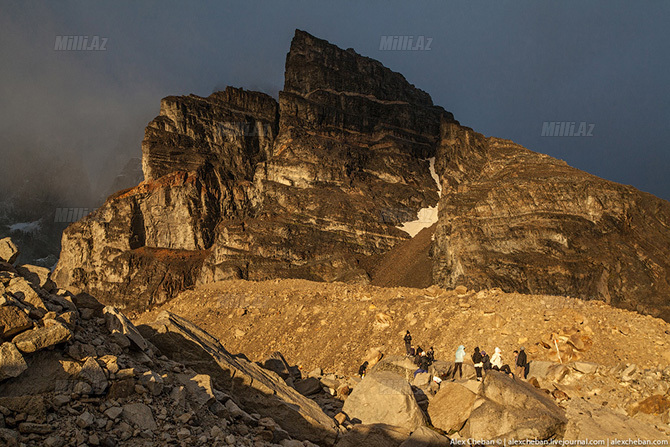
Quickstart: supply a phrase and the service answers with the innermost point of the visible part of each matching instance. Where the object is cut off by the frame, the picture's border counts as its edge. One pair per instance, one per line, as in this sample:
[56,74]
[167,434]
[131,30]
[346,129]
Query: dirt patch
[408,264]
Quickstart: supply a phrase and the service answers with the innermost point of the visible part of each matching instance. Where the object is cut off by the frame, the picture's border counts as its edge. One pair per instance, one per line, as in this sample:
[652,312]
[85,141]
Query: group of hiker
[422,358]
[481,360]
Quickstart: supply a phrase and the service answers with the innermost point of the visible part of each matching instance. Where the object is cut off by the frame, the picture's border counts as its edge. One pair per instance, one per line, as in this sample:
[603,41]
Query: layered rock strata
[238,185]
[318,184]
[527,222]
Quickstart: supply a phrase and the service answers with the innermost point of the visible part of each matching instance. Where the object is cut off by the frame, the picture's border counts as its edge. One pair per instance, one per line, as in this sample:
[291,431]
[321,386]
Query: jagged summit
[316,184]
[238,185]
[314,64]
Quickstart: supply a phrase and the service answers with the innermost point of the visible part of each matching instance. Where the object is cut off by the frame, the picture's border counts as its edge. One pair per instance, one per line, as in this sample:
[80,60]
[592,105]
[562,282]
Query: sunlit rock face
[238,185]
[523,221]
[350,161]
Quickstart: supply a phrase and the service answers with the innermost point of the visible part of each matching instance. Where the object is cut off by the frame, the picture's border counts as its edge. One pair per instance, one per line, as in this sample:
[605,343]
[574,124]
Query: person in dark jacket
[431,355]
[486,360]
[424,362]
[408,343]
[521,361]
[478,361]
[363,369]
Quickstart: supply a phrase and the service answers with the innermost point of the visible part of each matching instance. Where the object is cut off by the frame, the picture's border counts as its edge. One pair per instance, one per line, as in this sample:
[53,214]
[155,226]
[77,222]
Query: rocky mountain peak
[320,184]
[314,64]
[238,185]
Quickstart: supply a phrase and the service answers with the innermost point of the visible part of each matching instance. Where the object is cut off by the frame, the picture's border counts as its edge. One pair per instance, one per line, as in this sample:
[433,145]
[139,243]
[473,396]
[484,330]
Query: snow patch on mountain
[425,216]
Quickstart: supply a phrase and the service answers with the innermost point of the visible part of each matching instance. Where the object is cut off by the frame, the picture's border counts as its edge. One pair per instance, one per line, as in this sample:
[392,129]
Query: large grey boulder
[384,398]
[308,386]
[513,409]
[399,365]
[139,415]
[585,367]
[8,250]
[52,333]
[118,322]
[547,372]
[199,388]
[256,389]
[589,421]
[451,407]
[277,363]
[94,375]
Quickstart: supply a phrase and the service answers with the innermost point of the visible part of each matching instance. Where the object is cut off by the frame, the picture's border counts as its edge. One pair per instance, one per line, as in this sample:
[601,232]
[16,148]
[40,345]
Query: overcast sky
[502,67]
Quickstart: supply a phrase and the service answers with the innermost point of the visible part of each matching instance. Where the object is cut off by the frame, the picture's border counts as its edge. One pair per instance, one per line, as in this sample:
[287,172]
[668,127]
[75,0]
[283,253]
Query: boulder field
[76,372]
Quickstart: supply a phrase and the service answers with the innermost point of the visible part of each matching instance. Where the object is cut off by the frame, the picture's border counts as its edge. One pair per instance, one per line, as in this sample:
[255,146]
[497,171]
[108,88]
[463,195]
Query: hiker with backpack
[363,369]
[431,355]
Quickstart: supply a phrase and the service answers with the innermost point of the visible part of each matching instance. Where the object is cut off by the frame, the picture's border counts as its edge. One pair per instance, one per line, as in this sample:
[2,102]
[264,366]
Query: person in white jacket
[458,362]
[496,359]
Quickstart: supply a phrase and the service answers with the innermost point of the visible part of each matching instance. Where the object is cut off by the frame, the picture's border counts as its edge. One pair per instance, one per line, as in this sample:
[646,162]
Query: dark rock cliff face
[526,222]
[238,185]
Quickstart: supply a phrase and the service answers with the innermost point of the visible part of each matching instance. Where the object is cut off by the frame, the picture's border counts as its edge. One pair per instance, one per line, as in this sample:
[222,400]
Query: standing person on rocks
[458,362]
[408,343]
[521,360]
[496,360]
[478,360]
